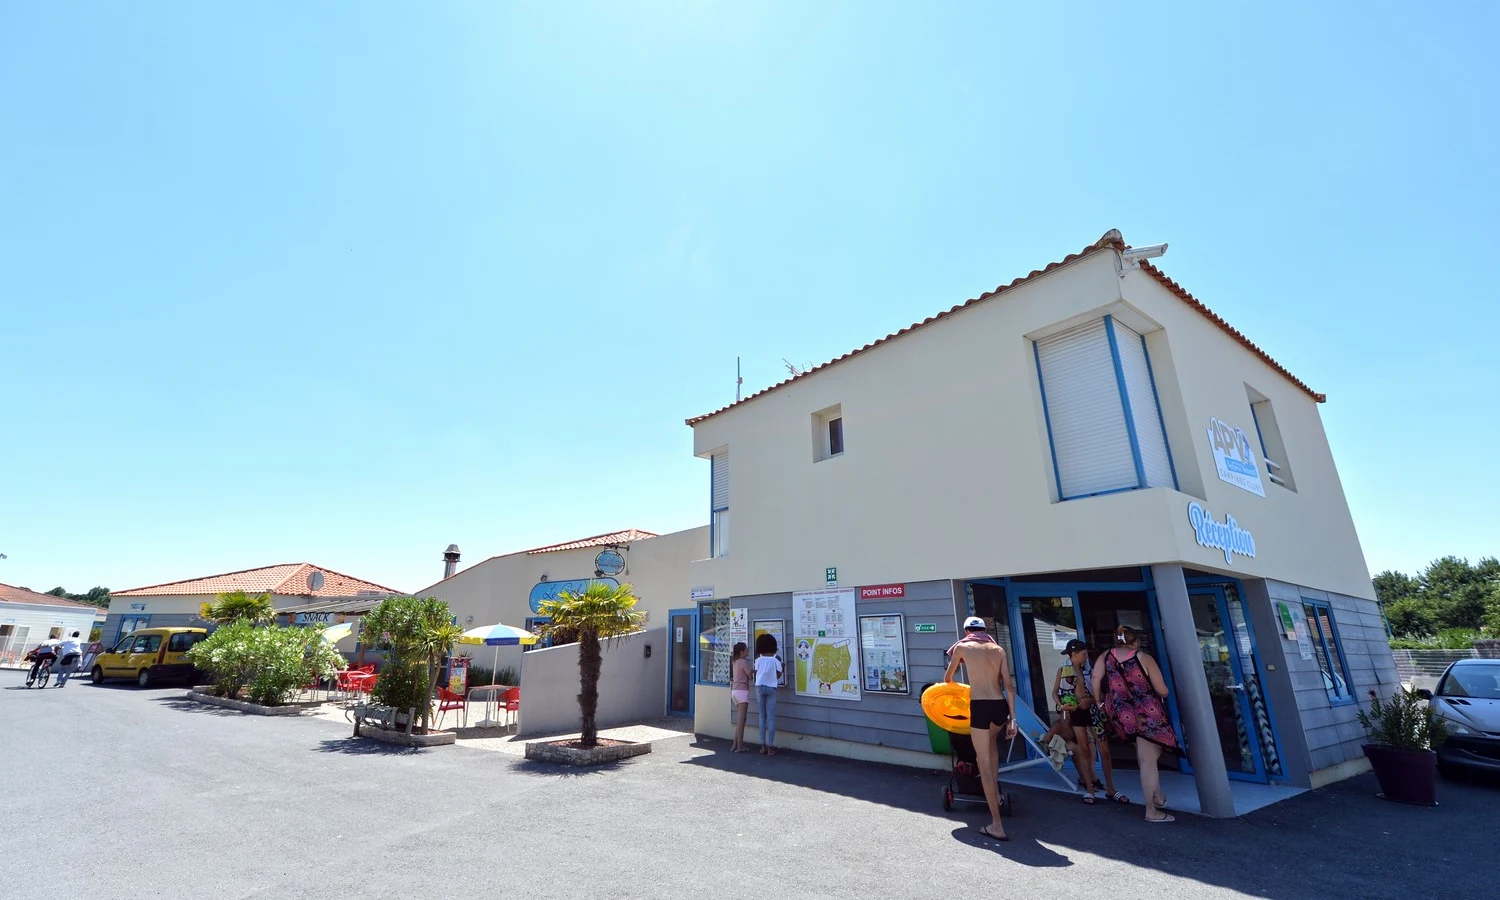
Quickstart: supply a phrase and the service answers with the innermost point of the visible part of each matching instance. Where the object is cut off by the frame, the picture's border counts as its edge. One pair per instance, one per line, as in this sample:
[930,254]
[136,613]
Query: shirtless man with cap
[989,710]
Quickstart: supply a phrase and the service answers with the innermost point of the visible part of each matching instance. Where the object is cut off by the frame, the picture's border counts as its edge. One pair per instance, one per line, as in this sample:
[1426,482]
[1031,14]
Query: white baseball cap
[974,623]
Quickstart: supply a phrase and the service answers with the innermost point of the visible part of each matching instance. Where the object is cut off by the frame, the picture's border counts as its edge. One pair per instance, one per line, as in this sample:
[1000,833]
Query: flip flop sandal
[1161,820]
[1089,798]
[985,830]
[1120,798]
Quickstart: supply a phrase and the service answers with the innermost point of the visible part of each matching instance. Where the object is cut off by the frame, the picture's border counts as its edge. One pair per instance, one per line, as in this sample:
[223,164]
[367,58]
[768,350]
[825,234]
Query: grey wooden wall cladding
[887,720]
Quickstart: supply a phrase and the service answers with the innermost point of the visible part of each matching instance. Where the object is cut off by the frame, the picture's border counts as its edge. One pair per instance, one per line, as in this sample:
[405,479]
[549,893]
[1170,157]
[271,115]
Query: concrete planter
[244,706]
[560,752]
[436,739]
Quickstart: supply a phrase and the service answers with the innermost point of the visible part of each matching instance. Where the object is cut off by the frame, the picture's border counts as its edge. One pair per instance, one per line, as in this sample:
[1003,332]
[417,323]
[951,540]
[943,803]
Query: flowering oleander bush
[269,662]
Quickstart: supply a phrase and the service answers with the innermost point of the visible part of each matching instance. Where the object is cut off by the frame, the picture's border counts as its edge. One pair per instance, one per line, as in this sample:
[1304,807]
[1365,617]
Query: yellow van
[149,655]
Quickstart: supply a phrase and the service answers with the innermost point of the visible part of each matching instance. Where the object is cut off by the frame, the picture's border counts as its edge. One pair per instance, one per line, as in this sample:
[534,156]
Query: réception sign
[882,592]
[1227,535]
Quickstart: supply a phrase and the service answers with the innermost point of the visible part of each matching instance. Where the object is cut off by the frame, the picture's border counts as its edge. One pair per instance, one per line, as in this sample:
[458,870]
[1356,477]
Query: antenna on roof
[739,380]
[794,368]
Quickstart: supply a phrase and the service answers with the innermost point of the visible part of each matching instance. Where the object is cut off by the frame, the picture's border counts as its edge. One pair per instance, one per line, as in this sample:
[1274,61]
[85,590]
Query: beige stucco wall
[948,473]
[497,589]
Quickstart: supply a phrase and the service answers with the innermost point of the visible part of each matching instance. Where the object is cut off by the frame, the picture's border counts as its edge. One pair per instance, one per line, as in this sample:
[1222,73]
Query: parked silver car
[1467,698]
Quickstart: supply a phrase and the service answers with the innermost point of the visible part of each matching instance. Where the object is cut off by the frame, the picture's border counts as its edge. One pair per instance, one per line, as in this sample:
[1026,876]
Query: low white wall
[632,686]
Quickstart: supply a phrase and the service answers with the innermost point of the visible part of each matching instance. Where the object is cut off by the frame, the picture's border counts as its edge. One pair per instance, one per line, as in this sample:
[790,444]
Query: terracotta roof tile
[1111,240]
[598,540]
[287,579]
[1228,329]
[12,594]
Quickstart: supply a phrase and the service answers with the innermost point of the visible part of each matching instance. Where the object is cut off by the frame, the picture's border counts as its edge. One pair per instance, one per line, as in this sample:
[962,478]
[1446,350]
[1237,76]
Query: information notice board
[826,643]
[882,650]
[776,628]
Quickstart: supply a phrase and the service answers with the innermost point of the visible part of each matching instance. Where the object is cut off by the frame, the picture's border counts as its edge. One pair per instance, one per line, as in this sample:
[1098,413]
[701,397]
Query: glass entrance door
[681,638]
[1220,647]
[1047,624]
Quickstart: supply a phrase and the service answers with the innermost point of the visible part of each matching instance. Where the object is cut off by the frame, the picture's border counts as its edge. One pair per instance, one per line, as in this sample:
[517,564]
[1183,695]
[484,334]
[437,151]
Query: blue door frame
[1014,590]
[690,642]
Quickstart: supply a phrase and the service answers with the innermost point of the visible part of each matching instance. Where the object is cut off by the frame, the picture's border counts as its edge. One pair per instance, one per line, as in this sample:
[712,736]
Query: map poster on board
[776,628]
[826,643]
[882,650]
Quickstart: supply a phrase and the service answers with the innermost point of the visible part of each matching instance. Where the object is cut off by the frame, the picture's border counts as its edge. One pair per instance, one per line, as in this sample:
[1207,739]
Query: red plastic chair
[448,700]
[510,702]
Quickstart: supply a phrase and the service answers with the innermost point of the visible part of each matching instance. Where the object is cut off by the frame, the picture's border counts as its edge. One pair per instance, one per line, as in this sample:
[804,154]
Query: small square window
[828,433]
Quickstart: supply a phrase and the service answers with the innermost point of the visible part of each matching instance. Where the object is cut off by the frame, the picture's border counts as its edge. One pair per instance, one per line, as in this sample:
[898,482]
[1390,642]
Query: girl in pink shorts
[740,673]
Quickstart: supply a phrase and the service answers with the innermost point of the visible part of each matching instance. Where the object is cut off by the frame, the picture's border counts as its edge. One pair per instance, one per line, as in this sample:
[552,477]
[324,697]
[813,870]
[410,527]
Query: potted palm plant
[601,611]
[1404,737]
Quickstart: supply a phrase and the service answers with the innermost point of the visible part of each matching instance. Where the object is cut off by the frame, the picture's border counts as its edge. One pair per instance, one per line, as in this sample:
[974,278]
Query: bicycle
[43,672]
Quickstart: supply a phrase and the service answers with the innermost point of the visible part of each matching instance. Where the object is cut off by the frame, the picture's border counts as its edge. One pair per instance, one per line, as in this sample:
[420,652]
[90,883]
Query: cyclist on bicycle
[68,651]
[45,652]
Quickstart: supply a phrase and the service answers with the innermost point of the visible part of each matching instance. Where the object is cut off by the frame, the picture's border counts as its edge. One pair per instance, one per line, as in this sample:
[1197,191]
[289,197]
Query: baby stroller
[964,785]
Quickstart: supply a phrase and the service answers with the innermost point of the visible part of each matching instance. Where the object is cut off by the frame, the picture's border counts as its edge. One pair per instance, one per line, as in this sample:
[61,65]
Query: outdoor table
[493,692]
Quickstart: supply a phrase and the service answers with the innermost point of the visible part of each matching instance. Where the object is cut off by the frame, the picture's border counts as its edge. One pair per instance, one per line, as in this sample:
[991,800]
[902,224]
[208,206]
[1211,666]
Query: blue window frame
[1329,651]
[1137,415]
[713,647]
[531,623]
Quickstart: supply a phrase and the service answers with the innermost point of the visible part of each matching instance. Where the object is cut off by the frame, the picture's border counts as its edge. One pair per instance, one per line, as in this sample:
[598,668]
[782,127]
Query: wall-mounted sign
[882,592]
[776,628]
[882,649]
[926,628]
[825,634]
[313,618]
[548,590]
[1226,536]
[609,562]
[1234,457]
[831,576]
[739,629]
[703,593]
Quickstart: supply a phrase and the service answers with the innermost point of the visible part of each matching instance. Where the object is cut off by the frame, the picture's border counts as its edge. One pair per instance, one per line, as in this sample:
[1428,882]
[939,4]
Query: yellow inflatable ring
[947,705]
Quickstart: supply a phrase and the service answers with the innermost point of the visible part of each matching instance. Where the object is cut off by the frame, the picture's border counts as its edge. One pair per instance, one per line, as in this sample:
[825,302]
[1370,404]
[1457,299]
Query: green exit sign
[926,628]
[831,576]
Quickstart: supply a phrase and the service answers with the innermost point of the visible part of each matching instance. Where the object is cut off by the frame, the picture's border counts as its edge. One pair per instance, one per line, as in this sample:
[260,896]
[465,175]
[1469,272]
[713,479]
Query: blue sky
[345,283]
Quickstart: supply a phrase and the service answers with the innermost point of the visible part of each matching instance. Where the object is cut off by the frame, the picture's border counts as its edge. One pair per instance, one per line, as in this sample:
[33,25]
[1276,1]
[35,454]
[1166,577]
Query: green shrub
[1403,722]
[272,662]
[417,635]
[479,675]
[1445,639]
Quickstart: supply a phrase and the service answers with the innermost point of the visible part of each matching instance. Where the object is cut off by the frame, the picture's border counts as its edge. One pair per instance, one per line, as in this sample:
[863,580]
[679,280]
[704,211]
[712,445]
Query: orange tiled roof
[1112,240]
[598,540]
[13,594]
[288,579]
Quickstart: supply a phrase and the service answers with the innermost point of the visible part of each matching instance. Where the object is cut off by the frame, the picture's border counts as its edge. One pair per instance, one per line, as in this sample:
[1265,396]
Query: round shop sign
[610,562]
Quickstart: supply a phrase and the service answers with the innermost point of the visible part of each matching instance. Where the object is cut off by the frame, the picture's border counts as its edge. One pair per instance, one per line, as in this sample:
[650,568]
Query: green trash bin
[937,736]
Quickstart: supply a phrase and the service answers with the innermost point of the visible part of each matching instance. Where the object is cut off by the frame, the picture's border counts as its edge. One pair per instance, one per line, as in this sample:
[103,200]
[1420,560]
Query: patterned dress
[1131,704]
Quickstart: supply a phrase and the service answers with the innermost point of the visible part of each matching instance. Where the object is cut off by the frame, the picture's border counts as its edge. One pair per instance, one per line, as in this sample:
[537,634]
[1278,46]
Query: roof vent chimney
[450,560]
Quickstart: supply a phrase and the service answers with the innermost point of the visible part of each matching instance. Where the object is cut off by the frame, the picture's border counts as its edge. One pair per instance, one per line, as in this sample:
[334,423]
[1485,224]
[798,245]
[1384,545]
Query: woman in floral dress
[1131,689]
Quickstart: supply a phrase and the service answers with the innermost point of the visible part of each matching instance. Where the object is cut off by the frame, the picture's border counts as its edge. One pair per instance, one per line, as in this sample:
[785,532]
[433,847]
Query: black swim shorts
[984,713]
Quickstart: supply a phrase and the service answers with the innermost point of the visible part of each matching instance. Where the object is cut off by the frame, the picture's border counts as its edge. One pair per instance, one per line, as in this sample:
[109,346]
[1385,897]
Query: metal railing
[1427,663]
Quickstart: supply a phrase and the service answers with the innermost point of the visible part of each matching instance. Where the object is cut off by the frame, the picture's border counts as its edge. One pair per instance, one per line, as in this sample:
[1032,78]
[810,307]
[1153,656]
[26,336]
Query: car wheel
[97,675]
[144,679]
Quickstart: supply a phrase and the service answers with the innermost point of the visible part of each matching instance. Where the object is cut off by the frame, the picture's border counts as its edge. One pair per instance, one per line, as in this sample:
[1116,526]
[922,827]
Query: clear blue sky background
[347,282]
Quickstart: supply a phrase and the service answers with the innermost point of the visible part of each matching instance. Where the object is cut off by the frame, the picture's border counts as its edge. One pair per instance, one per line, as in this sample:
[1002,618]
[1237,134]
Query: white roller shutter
[1155,456]
[720,463]
[1084,413]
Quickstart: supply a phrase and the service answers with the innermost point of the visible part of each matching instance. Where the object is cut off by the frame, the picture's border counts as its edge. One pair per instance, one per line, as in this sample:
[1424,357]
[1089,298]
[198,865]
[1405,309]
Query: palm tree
[239,606]
[600,611]
[418,633]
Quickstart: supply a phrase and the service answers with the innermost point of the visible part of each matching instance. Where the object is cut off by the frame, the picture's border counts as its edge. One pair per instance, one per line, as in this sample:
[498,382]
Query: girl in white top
[740,673]
[767,678]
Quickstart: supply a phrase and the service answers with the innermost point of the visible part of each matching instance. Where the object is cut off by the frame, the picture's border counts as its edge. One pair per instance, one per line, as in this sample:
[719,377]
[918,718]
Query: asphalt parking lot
[119,793]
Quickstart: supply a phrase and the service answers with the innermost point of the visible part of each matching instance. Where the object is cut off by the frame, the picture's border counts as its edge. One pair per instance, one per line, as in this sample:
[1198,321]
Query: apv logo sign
[1227,535]
[1234,457]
